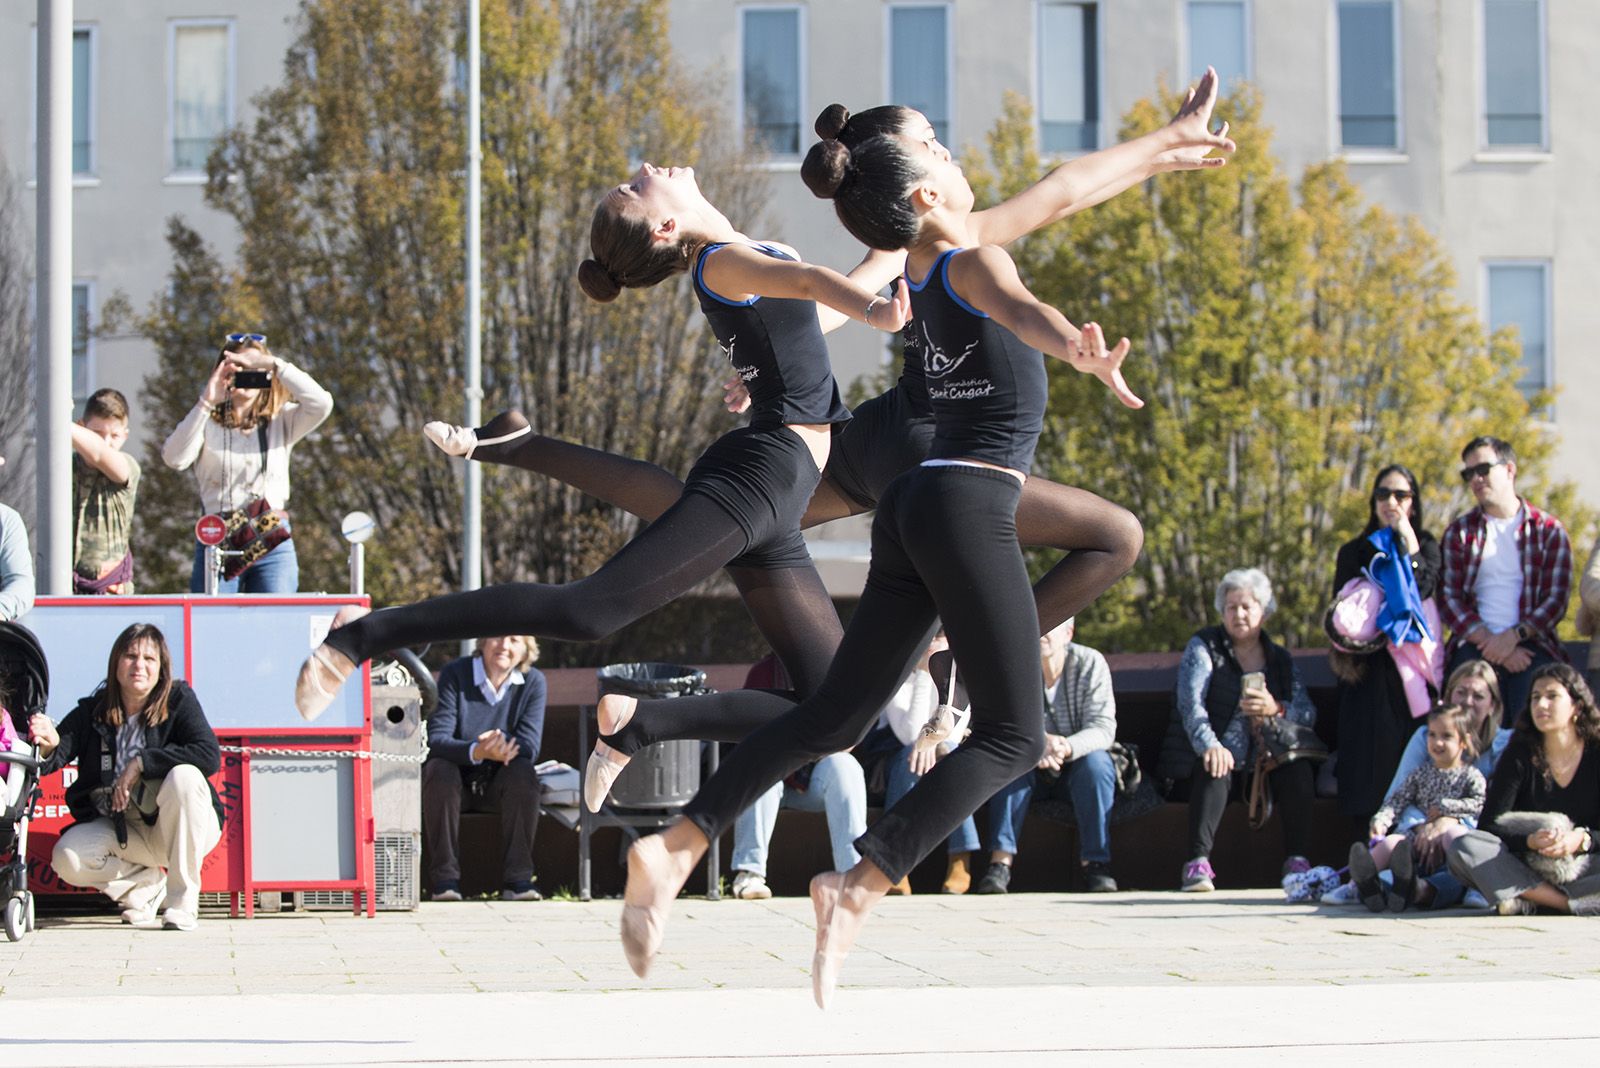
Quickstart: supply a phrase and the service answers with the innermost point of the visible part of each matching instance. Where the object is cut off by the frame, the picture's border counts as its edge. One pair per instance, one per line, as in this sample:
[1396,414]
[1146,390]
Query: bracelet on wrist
[871,304]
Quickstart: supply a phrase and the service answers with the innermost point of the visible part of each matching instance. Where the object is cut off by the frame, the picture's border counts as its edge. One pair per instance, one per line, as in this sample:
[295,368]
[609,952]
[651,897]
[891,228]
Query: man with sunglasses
[1507,574]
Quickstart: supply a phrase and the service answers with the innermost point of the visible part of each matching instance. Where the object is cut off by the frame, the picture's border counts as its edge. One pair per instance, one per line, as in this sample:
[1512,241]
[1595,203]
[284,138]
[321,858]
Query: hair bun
[831,123]
[599,283]
[825,167]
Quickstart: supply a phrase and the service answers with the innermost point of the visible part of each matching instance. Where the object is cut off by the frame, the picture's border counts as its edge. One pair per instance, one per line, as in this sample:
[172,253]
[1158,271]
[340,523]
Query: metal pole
[472,484]
[54,297]
[213,566]
[358,569]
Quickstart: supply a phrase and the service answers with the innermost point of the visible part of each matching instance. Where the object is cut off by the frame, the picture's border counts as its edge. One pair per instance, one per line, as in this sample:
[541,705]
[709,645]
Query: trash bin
[667,774]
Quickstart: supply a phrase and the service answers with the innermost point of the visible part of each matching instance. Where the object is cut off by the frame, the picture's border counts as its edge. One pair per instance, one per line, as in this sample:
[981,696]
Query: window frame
[173,175]
[775,159]
[1367,153]
[1492,151]
[1546,266]
[1186,36]
[949,58]
[85,178]
[1037,59]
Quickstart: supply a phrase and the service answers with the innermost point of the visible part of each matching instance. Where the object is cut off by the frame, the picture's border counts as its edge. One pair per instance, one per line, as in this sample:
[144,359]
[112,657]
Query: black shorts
[883,439]
[763,479]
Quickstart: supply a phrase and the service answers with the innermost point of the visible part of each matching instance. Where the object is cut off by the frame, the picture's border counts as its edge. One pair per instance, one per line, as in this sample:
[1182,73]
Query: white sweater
[228,462]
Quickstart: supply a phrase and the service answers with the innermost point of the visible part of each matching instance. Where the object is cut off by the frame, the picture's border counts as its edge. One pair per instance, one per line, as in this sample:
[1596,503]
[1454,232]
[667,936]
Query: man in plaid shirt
[1507,574]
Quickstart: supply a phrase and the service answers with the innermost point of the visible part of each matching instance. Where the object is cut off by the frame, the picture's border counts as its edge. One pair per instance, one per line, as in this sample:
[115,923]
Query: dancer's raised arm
[1185,143]
[740,272]
[876,270]
[987,279]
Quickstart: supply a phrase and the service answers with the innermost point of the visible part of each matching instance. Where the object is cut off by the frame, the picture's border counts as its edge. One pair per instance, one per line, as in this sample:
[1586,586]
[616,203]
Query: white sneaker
[748,886]
[179,920]
[141,919]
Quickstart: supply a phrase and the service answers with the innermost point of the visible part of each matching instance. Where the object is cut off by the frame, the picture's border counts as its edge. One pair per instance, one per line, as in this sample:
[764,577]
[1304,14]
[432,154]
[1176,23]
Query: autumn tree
[1288,343]
[17,415]
[347,191]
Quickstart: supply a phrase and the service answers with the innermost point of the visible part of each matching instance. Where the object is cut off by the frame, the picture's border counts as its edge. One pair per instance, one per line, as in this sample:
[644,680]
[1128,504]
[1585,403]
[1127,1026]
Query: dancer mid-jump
[889,434]
[743,499]
[944,546]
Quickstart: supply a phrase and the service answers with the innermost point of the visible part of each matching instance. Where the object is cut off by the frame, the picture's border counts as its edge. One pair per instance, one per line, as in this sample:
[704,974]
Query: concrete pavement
[1137,978]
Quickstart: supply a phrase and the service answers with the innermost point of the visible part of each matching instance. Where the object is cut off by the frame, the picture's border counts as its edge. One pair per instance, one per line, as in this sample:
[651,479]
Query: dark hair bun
[832,121]
[825,167]
[599,283]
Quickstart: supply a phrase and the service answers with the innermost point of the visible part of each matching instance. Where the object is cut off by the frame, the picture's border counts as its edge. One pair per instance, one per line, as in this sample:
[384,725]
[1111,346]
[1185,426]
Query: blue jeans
[1090,782]
[1514,685]
[276,572]
[964,839]
[838,788]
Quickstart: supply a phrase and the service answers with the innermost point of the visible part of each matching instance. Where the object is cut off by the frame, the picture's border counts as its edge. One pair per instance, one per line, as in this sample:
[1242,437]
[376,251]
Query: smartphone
[252,379]
[1253,680]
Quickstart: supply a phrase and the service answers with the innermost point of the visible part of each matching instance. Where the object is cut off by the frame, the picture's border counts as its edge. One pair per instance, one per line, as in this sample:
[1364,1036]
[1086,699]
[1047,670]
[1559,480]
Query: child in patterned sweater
[1449,786]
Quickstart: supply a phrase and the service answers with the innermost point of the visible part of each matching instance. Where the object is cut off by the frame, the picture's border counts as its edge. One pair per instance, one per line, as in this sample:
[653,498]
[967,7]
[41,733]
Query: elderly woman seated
[1231,675]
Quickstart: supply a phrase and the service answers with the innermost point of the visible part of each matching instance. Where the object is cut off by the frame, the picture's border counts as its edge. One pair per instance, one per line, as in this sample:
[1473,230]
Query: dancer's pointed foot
[841,908]
[606,763]
[325,670]
[465,440]
[652,887]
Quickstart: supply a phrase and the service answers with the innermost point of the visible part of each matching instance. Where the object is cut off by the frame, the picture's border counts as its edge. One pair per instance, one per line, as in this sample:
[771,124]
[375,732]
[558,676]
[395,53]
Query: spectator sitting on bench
[1080,725]
[483,742]
[834,785]
[1228,674]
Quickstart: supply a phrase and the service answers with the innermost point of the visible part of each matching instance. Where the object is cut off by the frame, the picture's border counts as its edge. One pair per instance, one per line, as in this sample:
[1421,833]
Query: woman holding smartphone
[238,437]
[1228,674]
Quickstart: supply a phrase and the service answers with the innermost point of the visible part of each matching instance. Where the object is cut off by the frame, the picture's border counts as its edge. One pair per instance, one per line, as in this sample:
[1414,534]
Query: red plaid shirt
[1546,555]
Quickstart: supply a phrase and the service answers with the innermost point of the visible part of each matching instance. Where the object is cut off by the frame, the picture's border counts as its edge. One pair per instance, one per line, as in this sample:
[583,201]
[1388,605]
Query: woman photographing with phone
[238,437]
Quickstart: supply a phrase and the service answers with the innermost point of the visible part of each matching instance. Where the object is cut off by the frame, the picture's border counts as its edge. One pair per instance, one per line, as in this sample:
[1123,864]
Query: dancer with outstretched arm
[743,499]
[887,435]
[944,547]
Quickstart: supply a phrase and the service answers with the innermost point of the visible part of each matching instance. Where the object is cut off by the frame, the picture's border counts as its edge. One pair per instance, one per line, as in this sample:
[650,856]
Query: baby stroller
[26,679]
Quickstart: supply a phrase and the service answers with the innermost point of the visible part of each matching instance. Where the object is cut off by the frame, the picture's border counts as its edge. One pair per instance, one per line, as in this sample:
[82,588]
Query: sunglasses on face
[1383,493]
[1479,470]
[259,339]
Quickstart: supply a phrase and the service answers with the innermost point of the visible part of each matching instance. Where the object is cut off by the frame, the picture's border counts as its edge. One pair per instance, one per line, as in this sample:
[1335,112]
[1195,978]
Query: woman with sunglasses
[238,437]
[1375,718]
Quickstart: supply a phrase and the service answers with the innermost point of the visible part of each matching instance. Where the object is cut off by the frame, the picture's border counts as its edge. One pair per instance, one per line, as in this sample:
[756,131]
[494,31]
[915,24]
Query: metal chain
[325,754]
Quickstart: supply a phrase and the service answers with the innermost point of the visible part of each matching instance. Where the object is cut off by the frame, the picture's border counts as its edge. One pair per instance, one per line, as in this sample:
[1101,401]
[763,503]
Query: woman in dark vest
[1210,738]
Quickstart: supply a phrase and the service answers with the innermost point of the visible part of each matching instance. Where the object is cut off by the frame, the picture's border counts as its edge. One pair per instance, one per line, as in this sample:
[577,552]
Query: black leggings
[1102,541]
[687,545]
[1293,788]
[944,546]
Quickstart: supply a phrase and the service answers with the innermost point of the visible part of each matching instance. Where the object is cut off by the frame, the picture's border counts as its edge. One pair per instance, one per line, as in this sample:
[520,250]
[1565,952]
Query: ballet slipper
[612,714]
[464,440]
[600,773]
[827,893]
[644,925]
[947,725]
[311,696]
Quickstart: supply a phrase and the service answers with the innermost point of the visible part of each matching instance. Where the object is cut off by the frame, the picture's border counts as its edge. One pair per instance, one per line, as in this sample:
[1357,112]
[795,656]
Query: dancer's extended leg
[671,556]
[636,486]
[1102,541]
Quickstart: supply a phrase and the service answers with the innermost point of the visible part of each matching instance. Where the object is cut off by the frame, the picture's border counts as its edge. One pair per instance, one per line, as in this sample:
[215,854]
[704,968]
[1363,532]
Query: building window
[82,101]
[1069,77]
[1369,74]
[919,62]
[1218,37]
[1513,74]
[201,91]
[1519,296]
[770,78]
[82,375]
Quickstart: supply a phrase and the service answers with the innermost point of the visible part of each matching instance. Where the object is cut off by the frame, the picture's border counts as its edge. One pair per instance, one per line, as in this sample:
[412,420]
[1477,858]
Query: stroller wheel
[15,919]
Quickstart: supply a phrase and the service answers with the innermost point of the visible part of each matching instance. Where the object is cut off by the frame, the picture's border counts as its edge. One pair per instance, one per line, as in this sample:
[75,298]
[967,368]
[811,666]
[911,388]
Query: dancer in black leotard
[944,546]
[889,433]
[742,502]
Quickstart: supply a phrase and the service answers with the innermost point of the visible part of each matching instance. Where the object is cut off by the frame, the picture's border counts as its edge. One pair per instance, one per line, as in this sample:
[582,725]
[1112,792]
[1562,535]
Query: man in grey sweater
[1080,725]
[483,742]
